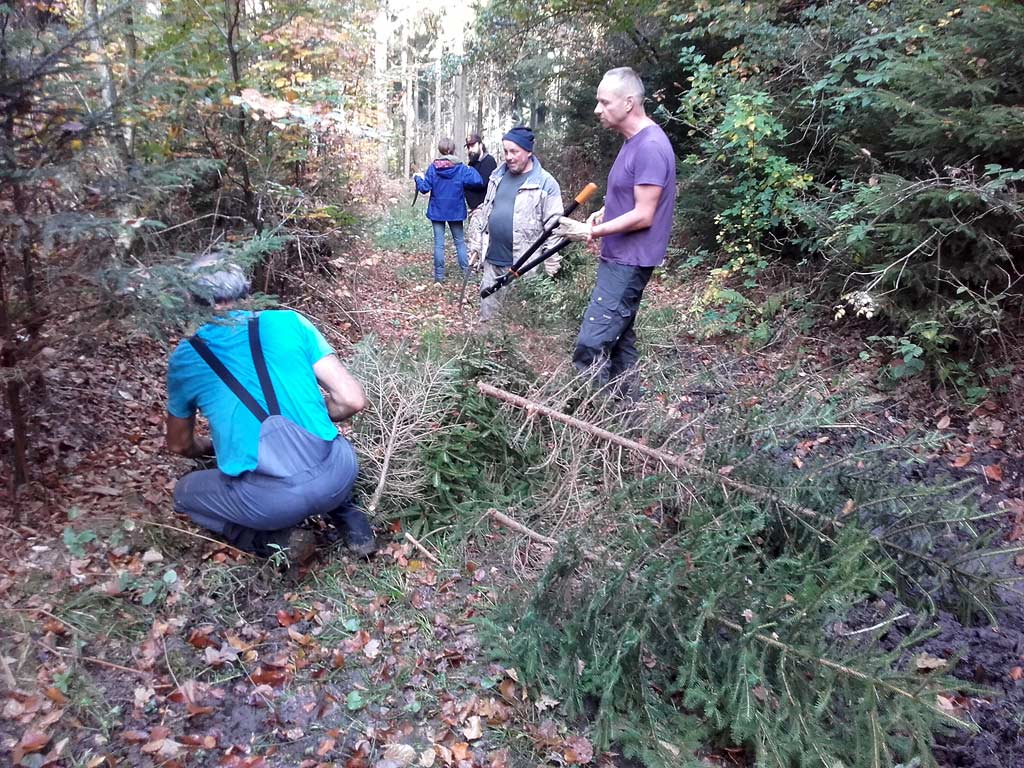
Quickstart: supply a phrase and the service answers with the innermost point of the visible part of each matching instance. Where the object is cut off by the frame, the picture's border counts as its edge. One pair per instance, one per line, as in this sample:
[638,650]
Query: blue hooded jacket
[446,180]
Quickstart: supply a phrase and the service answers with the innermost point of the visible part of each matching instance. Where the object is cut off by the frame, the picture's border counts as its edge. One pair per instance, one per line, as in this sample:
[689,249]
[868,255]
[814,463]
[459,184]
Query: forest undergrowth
[778,570]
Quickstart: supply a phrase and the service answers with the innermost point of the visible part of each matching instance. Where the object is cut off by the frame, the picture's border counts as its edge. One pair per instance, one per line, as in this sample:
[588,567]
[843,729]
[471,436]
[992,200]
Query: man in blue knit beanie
[521,197]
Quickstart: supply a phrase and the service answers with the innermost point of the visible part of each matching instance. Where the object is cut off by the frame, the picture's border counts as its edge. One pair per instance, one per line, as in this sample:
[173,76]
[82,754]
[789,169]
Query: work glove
[571,229]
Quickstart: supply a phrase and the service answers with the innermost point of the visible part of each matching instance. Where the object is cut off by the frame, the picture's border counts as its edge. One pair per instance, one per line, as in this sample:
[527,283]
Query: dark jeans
[240,508]
[606,345]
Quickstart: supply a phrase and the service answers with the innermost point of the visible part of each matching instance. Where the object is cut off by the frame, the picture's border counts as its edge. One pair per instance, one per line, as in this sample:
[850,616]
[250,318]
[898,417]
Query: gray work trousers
[606,345]
[238,507]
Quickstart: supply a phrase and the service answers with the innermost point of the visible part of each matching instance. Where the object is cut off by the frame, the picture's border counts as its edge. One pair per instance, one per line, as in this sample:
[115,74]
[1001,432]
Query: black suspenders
[259,360]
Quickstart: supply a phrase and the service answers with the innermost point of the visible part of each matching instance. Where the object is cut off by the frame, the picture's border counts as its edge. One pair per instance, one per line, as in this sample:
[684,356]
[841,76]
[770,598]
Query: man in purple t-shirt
[635,225]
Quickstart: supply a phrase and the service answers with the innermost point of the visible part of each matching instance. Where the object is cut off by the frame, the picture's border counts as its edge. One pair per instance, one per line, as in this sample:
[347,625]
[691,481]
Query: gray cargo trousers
[239,507]
[606,346]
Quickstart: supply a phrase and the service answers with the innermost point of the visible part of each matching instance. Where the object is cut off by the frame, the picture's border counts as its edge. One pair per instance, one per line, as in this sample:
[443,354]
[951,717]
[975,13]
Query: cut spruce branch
[423,550]
[822,521]
[669,459]
[540,538]
[773,642]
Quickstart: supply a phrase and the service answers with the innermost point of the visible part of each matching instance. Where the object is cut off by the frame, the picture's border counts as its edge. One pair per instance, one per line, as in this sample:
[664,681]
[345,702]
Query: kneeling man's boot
[358,534]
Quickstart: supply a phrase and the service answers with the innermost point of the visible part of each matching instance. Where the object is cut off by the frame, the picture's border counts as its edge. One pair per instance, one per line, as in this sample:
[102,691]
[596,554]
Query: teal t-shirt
[291,345]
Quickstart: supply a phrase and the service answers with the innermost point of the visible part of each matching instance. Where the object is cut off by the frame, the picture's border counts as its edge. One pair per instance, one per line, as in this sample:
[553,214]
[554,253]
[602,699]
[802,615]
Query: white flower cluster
[862,303]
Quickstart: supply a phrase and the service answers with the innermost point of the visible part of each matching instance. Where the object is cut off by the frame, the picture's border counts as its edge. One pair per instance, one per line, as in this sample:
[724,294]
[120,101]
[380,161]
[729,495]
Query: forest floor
[131,639]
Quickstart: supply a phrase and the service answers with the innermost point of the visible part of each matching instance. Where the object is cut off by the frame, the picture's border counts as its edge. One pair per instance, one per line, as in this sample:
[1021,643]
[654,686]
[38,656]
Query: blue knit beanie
[522,136]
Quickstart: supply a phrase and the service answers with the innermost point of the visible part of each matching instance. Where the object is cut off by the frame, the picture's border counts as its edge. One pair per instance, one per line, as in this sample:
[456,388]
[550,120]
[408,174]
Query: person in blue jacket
[446,180]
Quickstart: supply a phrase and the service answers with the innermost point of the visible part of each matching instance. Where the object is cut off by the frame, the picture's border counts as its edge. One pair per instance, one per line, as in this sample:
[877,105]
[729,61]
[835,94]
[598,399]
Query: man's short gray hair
[216,280]
[628,82]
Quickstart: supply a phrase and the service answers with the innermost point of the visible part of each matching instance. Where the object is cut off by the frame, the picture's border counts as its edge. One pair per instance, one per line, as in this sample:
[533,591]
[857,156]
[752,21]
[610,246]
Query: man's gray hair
[217,280]
[628,82]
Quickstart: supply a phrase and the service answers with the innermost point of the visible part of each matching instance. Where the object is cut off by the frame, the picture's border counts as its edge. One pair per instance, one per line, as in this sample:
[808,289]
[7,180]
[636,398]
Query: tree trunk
[459,93]
[106,74]
[232,27]
[416,122]
[438,109]
[12,392]
[479,106]
[131,47]
[409,118]
[382,34]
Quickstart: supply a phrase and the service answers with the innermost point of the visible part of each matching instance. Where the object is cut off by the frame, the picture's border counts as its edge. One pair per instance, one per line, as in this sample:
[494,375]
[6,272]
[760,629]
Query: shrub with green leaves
[877,142]
[404,229]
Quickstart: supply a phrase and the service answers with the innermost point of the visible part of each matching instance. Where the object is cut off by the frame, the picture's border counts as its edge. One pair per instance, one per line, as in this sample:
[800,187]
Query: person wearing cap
[521,196]
[634,225]
[257,379]
[484,164]
[446,180]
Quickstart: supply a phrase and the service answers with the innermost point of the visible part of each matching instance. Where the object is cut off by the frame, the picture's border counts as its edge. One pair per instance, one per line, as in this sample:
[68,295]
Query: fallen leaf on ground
[56,696]
[357,642]
[994,472]
[927,662]
[217,657]
[578,751]
[961,461]
[269,676]
[289,617]
[402,754]
[546,702]
[372,649]
[31,741]
[473,730]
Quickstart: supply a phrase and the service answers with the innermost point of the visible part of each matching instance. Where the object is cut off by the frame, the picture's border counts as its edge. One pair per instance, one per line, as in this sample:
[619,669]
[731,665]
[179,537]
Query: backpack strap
[256,347]
[233,383]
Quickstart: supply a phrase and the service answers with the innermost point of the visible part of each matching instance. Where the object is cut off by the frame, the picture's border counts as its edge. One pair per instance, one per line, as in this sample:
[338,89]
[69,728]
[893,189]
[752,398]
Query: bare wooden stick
[197,536]
[426,552]
[94,660]
[508,522]
[664,457]
[529,533]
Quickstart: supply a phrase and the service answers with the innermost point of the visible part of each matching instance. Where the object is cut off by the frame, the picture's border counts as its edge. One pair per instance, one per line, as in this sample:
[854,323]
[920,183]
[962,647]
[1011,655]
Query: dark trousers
[606,345]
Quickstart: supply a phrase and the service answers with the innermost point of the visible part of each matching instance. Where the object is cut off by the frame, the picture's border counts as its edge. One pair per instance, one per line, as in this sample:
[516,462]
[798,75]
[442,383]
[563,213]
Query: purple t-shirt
[646,158]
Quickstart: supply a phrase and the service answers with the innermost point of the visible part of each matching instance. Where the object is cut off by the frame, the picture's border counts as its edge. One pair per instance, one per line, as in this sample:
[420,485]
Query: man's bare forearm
[339,411]
[197,447]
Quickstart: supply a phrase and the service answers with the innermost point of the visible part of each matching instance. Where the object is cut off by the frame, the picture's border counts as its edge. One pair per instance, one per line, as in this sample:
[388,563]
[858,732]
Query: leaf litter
[244,674]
